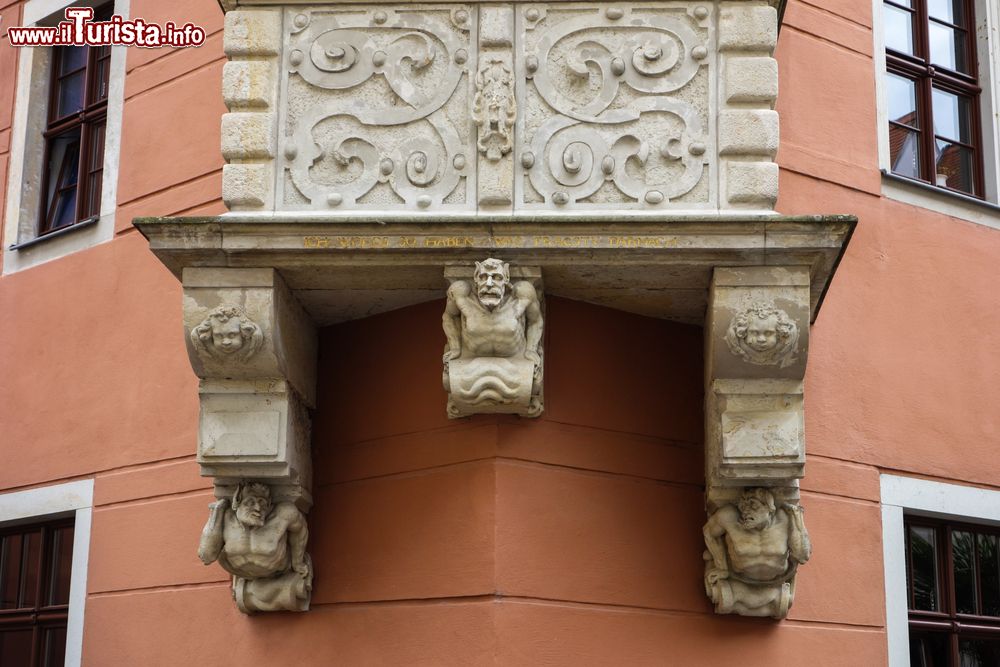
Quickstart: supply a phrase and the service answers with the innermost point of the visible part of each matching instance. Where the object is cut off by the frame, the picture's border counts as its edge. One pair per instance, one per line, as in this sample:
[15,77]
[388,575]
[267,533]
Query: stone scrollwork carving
[375,99]
[616,109]
[493,358]
[763,335]
[753,550]
[227,333]
[263,545]
[494,108]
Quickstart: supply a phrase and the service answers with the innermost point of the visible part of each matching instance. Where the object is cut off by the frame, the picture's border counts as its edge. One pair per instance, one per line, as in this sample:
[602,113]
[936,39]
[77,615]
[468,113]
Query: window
[64,142]
[932,93]
[942,576]
[74,134]
[44,546]
[35,567]
[953,593]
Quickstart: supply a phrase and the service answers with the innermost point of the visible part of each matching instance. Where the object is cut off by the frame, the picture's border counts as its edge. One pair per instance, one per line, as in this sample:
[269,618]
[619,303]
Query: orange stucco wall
[574,538]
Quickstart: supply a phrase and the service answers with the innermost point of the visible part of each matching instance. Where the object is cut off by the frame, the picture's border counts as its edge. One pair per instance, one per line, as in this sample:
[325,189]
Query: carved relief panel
[376,104]
[616,106]
[525,106]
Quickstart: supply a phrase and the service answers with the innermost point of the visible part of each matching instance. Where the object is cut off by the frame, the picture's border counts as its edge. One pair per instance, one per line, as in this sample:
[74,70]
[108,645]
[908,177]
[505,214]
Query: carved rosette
[376,102]
[227,334]
[764,335]
[615,106]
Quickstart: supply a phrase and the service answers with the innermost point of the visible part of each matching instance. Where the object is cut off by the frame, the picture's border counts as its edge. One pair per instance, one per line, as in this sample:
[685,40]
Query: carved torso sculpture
[492,362]
[263,547]
[753,551]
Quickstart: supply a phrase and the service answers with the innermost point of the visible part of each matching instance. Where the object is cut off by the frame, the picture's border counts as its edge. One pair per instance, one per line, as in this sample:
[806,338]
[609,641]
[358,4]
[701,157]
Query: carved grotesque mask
[755,509]
[762,333]
[252,507]
[491,278]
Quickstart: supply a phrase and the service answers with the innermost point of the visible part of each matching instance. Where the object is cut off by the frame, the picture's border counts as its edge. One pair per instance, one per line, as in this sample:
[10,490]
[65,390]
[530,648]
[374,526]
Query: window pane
[62,561]
[989,569]
[10,560]
[31,563]
[954,168]
[902,94]
[71,90]
[923,554]
[979,652]
[951,11]
[904,151]
[72,58]
[15,647]
[898,29]
[952,116]
[948,47]
[964,559]
[55,647]
[928,649]
[63,167]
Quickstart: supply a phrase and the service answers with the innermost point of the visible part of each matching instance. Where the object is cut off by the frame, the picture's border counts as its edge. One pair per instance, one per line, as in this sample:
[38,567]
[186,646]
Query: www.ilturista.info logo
[80,30]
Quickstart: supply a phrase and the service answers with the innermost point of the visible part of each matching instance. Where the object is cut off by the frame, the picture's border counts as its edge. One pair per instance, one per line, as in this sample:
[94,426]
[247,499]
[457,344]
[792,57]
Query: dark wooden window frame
[90,120]
[40,616]
[948,621]
[918,68]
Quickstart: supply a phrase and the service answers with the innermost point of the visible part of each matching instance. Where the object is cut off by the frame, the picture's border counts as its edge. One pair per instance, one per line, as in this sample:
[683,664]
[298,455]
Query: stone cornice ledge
[366,264]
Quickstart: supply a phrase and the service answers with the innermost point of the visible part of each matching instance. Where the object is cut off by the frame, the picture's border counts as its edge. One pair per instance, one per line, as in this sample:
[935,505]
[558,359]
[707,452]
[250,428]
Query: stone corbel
[494,322]
[757,340]
[254,351]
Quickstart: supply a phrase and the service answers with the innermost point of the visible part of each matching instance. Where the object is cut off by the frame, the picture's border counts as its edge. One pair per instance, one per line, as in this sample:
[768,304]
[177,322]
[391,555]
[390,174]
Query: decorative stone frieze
[261,543]
[460,107]
[757,336]
[493,357]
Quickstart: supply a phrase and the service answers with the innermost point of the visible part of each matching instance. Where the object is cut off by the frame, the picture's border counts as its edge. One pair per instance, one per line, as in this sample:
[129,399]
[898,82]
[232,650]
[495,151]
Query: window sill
[56,234]
[948,202]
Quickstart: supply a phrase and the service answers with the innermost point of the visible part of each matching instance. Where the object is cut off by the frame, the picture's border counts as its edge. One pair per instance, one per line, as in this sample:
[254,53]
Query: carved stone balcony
[615,153]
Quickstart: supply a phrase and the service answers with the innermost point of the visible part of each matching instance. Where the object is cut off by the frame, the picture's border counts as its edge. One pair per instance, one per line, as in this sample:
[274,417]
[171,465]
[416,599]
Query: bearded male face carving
[227,332]
[763,335]
[492,277]
[252,504]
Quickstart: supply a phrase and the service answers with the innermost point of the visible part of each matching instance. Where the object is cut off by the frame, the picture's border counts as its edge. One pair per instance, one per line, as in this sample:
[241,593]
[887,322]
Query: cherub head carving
[763,335]
[491,277]
[252,504]
[227,332]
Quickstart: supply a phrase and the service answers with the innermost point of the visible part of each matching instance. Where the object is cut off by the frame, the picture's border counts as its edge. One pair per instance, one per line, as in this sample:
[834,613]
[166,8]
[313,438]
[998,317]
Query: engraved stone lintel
[493,323]
[260,538]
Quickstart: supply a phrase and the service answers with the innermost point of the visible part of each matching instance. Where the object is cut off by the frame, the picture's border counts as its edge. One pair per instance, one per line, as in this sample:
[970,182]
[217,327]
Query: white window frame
[52,502]
[920,497]
[928,196]
[23,248]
